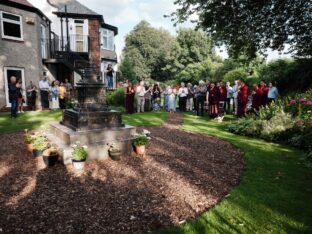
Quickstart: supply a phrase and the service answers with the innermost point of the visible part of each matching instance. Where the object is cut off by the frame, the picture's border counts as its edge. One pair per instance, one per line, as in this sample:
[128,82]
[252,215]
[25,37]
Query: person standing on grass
[256,97]
[223,94]
[183,92]
[242,99]
[265,90]
[229,97]
[44,92]
[55,92]
[272,93]
[171,99]
[200,99]
[13,95]
[140,93]
[190,97]
[156,97]
[235,93]
[130,93]
[62,96]
[213,100]
[21,98]
[31,91]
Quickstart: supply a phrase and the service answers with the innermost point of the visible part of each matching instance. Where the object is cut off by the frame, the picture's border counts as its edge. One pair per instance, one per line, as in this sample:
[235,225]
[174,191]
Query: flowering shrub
[301,106]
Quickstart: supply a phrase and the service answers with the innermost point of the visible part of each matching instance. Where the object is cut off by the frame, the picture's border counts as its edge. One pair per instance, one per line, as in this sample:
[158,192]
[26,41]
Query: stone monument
[91,122]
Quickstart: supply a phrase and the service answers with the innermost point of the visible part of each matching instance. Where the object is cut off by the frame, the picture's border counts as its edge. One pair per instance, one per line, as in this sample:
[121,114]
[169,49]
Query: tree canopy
[253,26]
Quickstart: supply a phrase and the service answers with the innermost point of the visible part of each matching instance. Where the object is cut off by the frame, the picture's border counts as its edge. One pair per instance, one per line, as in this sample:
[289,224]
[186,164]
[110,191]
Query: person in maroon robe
[256,97]
[213,100]
[130,93]
[223,94]
[264,96]
[242,99]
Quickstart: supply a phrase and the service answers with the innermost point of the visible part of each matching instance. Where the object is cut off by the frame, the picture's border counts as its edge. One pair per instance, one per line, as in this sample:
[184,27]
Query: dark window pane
[12,30]
[11,17]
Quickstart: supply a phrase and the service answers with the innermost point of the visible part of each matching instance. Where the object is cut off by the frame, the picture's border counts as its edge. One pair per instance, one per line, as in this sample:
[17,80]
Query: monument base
[97,140]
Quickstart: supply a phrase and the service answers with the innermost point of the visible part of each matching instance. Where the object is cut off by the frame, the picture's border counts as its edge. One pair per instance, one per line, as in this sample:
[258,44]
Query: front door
[19,74]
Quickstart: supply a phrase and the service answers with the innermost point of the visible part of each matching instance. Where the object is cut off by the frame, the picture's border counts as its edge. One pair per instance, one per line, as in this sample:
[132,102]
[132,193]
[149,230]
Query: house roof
[24,5]
[22,2]
[75,7]
[108,55]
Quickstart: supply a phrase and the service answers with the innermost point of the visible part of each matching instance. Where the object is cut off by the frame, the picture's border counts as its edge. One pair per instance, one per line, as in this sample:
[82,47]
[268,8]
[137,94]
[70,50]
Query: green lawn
[28,120]
[145,119]
[274,196]
[33,120]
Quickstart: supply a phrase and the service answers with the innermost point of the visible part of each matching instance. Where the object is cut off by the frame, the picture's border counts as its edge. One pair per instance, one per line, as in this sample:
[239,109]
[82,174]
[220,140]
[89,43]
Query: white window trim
[8,104]
[107,35]
[13,22]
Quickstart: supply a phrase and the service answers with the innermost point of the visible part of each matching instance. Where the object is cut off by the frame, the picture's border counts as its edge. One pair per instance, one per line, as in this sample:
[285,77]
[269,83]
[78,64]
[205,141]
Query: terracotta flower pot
[29,149]
[140,149]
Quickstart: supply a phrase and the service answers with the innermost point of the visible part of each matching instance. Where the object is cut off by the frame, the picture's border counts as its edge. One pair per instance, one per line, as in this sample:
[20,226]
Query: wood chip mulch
[182,175]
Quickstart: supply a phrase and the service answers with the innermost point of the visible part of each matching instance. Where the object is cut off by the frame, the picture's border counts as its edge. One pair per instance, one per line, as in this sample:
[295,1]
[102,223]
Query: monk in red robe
[256,97]
[213,99]
[130,93]
[242,99]
[264,96]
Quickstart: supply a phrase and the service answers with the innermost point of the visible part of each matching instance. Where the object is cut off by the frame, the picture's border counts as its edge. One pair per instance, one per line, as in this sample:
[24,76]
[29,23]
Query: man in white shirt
[183,92]
[140,93]
[235,90]
[44,92]
[229,97]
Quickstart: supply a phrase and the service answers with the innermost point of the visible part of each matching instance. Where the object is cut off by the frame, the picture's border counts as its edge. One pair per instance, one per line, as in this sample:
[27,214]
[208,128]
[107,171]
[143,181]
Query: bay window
[108,39]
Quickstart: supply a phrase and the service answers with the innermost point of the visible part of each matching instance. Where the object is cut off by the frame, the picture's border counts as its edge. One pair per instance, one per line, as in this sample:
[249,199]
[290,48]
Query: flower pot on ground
[140,142]
[115,152]
[79,156]
[50,157]
[40,144]
[28,139]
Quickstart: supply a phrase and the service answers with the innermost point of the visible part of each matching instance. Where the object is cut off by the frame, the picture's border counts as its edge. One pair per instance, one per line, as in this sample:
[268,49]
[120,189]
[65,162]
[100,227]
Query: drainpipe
[62,36]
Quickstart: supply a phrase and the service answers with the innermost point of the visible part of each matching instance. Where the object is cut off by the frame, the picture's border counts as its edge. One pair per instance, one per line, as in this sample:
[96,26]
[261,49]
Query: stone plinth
[97,140]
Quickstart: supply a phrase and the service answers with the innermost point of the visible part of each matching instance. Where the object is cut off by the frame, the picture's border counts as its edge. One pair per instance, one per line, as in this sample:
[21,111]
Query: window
[108,40]
[11,26]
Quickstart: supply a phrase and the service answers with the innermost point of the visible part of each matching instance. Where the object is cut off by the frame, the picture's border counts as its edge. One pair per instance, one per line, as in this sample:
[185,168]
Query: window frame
[6,82]
[107,34]
[20,23]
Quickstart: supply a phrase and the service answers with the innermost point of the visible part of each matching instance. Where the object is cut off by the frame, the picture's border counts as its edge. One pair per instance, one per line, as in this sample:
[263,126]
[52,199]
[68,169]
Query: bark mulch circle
[183,175]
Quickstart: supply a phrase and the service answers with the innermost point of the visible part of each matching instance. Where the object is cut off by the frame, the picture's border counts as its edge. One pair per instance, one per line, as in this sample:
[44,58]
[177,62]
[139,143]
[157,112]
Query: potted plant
[40,144]
[140,142]
[79,156]
[114,152]
[50,156]
[28,139]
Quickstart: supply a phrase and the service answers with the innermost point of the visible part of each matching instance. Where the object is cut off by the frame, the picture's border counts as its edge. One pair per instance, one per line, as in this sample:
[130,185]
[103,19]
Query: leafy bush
[116,98]
[28,138]
[40,143]
[79,152]
[140,140]
[236,74]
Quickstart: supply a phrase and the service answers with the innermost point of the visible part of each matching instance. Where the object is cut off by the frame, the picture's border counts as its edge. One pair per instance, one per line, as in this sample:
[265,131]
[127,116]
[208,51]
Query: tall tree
[253,25]
[145,50]
[191,46]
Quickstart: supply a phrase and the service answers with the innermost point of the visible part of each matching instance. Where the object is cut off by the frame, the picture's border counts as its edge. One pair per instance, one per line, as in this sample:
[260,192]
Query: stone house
[80,41]
[21,50]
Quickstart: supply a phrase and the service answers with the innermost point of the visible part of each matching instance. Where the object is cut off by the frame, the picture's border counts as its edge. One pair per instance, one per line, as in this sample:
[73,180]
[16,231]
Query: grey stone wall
[22,54]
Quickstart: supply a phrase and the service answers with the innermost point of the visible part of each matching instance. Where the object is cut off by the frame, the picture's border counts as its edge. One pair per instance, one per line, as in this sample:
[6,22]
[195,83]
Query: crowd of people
[215,98]
[53,95]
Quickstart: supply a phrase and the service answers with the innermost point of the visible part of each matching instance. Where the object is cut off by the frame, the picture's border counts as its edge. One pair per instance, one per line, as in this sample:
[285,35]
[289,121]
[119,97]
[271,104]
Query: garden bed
[183,175]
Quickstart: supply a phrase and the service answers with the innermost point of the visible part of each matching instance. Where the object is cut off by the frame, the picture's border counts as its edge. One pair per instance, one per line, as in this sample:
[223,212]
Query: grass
[274,196]
[28,120]
[34,120]
[145,119]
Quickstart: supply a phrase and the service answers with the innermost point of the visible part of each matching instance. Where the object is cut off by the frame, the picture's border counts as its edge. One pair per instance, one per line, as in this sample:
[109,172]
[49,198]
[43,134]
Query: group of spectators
[217,98]
[53,96]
